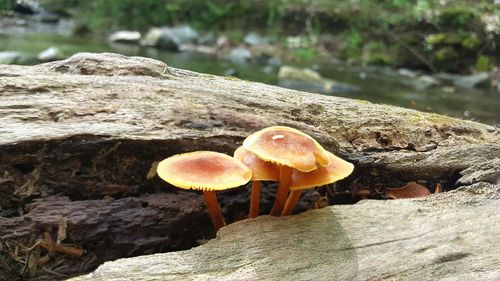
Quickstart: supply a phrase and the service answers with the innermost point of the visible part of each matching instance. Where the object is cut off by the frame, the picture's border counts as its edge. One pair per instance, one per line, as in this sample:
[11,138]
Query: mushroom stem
[214,209]
[282,192]
[254,200]
[291,201]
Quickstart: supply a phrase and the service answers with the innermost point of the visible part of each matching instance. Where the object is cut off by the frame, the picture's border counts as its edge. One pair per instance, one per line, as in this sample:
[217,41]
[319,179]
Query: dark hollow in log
[112,210]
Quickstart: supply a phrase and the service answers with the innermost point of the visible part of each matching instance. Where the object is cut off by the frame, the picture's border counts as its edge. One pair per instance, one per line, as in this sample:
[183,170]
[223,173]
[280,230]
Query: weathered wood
[444,237]
[89,128]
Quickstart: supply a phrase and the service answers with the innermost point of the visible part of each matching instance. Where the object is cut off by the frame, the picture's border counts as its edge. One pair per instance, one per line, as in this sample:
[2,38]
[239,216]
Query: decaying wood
[129,226]
[79,136]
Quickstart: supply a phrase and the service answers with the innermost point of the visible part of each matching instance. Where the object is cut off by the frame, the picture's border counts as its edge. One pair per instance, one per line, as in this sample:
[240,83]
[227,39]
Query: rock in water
[51,54]
[253,38]
[9,57]
[473,81]
[305,79]
[287,72]
[424,82]
[152,37]
[239,55]
[170,38]
[125,36]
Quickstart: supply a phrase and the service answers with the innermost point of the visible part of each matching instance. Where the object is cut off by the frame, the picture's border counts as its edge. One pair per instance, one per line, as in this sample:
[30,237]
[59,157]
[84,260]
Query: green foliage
[458,18]
[376,53]
[235,35]
[275,15]
[98,14]
[7,4]
[272,15]
[203,14]
[471,42]
[446,59]
[416,31]
[435,39]
[483,63]
[354,39]
[352,49]
[380,59]
[304,54]
[445,54]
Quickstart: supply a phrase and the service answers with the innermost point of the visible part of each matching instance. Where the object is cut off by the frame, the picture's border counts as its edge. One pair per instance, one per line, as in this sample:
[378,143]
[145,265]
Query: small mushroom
[290,149]
[336,170]
[261,171]
[208,171]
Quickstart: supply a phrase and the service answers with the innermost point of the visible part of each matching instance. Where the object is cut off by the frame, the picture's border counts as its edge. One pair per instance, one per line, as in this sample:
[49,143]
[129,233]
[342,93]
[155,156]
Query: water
[377,85]
[389,87]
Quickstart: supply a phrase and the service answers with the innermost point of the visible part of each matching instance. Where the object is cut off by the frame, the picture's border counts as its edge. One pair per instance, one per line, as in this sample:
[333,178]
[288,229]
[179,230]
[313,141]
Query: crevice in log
[99,186]
[86,167]
[372,178]
[95,182]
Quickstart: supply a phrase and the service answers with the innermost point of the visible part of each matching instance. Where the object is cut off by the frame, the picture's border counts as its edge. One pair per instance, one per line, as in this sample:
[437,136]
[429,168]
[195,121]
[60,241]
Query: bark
[79,138]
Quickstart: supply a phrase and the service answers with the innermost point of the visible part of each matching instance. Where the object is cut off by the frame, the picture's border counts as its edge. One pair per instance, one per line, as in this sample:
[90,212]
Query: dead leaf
[410,190]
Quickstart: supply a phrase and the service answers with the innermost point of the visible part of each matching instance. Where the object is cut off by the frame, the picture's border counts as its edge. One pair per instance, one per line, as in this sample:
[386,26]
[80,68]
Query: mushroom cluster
[294,159]
[278,153]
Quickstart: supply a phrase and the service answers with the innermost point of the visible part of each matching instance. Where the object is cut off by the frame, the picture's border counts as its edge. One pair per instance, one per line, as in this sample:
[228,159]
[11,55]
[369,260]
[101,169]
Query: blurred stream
[378,85]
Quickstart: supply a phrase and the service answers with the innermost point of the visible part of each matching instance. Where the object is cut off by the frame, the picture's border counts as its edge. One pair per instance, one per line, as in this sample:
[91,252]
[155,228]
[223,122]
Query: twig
[29,187]
[49,244]
[61,230]
[53,272]
[4,153]
[68,250]
[6,179]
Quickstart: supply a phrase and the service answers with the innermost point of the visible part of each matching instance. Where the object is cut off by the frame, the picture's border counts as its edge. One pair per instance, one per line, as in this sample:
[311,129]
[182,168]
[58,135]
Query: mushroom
[290,149]
[207,171]
[336,170]
[261,171]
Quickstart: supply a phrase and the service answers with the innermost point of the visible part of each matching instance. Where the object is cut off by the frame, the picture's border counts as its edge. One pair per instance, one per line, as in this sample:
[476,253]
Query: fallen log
[446,237]
[80,136]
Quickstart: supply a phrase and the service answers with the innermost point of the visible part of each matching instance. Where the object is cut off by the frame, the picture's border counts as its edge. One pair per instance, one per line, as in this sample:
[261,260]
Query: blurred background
[437,56]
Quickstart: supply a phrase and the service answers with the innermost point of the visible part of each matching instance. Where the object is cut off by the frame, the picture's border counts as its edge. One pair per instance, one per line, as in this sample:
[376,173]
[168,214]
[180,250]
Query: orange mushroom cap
[261,170]
[204,170]
[336,170]
[287,146]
